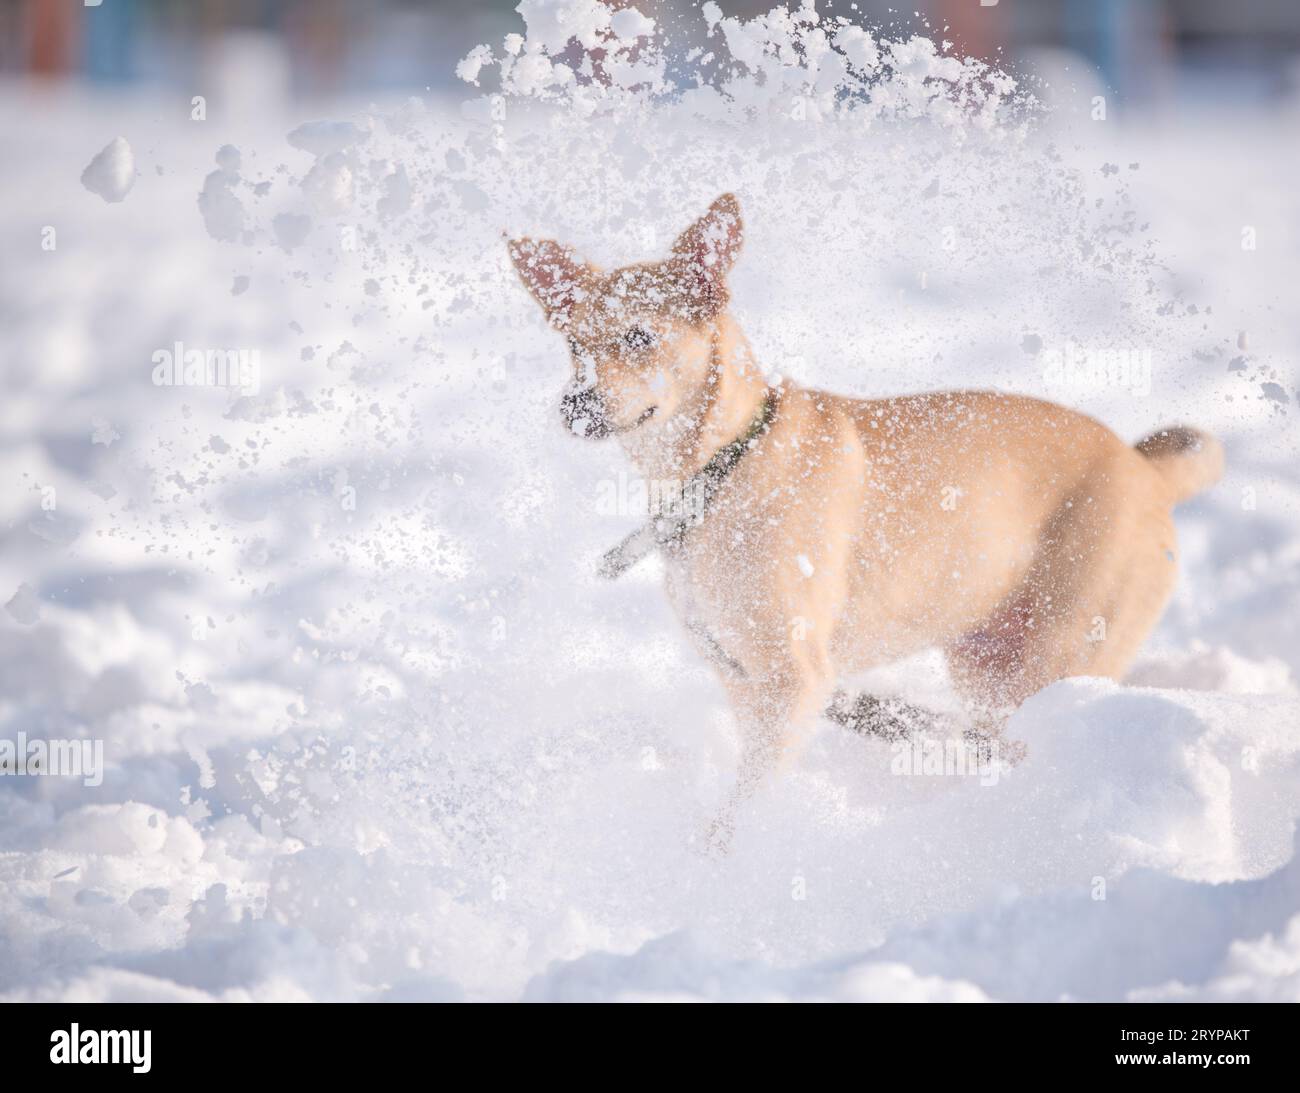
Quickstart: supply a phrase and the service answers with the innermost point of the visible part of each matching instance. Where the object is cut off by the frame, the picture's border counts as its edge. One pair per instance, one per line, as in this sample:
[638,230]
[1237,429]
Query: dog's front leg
[777,712]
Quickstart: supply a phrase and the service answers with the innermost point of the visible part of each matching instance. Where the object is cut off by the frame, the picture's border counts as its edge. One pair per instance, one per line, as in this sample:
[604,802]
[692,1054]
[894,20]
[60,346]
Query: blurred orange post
[50,30]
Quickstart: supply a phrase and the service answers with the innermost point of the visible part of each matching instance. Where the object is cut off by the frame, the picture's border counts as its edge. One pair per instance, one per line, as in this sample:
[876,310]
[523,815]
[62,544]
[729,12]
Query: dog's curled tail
[1188,459]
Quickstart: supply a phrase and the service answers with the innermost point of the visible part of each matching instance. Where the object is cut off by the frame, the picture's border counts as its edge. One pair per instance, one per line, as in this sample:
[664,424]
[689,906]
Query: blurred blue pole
[1097,29]
[108,39]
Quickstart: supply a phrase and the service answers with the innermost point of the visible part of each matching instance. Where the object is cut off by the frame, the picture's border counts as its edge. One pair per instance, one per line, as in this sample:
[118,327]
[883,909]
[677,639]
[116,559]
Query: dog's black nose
[583,411]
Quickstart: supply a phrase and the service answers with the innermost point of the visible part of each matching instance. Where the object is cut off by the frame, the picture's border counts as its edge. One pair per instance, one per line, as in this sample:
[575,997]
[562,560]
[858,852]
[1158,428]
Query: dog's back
[986,523]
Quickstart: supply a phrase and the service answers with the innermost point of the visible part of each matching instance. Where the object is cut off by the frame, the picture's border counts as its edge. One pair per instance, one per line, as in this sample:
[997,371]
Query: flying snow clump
[111,174]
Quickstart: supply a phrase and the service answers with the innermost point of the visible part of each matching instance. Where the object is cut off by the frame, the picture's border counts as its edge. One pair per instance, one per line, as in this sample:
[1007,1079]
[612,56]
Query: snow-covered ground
[371,726]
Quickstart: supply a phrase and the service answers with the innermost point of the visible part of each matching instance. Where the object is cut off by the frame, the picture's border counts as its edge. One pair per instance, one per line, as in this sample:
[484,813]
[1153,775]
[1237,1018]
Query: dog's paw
[888,718]
[991,746]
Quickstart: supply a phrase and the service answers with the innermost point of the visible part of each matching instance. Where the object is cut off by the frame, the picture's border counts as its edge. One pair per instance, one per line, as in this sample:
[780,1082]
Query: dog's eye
[638,338]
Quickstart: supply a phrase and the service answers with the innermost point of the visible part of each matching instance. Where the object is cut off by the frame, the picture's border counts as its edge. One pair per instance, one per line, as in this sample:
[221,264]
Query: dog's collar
[667,532]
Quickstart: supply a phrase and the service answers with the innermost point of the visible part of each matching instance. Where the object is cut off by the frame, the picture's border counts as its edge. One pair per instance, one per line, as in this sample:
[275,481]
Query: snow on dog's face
[640,336]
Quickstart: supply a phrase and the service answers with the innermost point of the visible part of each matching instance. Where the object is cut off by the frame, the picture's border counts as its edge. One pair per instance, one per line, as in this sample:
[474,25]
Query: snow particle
[102,432]
[24,607]
[629,24]
[111,174]
[291,229]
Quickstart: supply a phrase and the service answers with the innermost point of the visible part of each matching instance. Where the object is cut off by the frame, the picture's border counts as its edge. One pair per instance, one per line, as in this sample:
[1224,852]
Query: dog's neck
[711,417]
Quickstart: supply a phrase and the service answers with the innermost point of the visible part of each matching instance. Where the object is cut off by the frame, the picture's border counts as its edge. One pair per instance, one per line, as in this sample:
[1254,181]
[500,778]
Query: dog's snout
[583,411]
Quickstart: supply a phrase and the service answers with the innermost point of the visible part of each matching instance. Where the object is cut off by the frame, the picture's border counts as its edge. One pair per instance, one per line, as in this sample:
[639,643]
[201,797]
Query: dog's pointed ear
[706,251]
[552,274]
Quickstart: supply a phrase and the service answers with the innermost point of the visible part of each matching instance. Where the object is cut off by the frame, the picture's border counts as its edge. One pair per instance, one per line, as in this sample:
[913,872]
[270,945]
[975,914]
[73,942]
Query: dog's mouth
[646,415]
[584,414]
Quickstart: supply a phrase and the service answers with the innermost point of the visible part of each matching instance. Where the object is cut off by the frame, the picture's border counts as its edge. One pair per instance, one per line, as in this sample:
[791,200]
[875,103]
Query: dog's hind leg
[1101,578]
[893,720]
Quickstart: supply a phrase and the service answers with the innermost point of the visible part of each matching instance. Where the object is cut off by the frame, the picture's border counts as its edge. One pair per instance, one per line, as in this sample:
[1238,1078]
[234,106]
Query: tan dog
[1024,539]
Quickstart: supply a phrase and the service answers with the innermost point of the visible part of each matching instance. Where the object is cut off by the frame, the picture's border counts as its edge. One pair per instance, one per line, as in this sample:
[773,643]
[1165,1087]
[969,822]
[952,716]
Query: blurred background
[1141,51]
